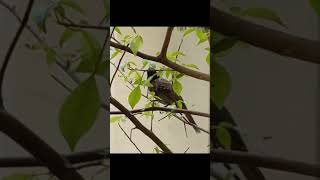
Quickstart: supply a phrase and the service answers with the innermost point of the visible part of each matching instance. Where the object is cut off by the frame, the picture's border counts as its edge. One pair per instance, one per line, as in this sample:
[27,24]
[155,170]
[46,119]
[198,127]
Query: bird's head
[152,72]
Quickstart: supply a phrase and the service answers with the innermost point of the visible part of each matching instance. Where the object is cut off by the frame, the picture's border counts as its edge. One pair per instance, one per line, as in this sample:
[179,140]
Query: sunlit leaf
[134,96]
[188,31]
[177,87]
[135,44]
[115,119]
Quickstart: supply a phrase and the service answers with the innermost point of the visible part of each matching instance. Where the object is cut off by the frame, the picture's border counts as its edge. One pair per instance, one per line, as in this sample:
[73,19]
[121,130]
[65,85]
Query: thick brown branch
[175,66]
[139,126]
[166,43]
[164,109]
[265,161]
[279,42]
[27,139]
[74,158]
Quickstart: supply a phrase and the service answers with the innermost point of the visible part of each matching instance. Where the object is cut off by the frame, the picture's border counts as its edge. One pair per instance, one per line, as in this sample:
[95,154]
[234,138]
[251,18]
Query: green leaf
[18,177]
[115,119]
[201,36]
[90,53]
[208,59]
[134,96]
[236,10]
[224,137]
[39,16]
[221,84]
[179,104]
[144,63]
[225,125]
[135,44]
[73,5]
[192,66]
[107,8]
[315,4]
[177,87]
[66,35]
[263,13]
[103,69]
[79,111]
[188,31]
[157,150]
[224,44]
[114,54]
[117,29]
[50,56]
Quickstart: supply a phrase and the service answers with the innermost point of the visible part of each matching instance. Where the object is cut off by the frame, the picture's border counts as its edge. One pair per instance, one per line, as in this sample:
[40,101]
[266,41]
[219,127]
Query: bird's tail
[190,118]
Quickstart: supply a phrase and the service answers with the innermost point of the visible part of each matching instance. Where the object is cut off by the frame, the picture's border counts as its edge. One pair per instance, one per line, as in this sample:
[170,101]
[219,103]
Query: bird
[167,96]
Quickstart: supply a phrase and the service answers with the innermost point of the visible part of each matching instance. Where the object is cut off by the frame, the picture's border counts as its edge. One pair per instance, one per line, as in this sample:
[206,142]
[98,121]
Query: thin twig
[83,26]
[130,139]
[11,48]
[114,74]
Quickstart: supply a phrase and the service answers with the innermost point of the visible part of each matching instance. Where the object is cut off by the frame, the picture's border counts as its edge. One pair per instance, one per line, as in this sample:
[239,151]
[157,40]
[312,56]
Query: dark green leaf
[90,52]
[18,177]
[66,35]
[135,44]
[134,96]
[103,69]
[224,137]
[221,84]
[79,111]
[73,5]
[107,8]
[224,45]
[315,4]
[50,56]
[263,13]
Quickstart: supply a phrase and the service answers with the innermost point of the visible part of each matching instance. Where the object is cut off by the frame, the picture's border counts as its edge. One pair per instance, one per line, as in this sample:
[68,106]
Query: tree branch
[26,138]
[264,161]
[139,126]
[164,109]
[166,42]
[165,61]
[74,158]
[82,26]
[11,48]
[279,42]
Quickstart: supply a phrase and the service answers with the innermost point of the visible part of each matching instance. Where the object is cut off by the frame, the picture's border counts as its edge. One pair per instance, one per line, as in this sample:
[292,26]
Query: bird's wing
[163,89]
